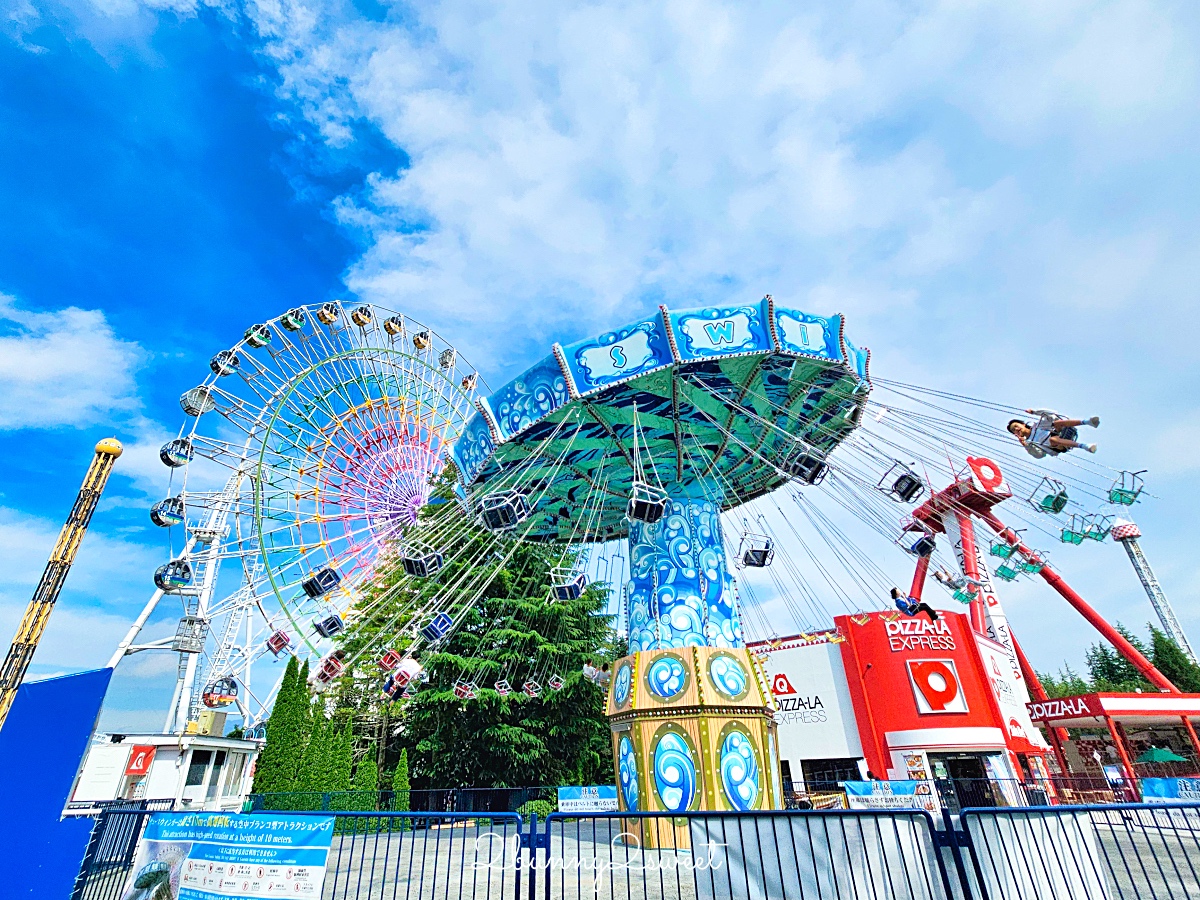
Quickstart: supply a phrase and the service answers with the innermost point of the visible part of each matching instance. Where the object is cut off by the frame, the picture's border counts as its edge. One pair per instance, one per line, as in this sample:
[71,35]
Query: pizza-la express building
[901,699]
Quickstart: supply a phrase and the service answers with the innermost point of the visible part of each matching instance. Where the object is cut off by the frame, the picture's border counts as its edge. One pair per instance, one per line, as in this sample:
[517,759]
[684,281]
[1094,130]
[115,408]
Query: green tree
[400,783]
[314,764]
[1067,683]
[1170,659]
[366,774]
[341,758]
[287,734]
[1110,671]
[513,632]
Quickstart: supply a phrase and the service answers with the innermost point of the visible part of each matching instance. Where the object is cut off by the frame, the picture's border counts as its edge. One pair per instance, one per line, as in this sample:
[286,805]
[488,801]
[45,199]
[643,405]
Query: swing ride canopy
[705,404]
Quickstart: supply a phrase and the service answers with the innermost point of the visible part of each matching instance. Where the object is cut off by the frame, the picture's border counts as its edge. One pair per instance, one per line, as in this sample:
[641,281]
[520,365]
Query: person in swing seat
[1051,434]
[911,607]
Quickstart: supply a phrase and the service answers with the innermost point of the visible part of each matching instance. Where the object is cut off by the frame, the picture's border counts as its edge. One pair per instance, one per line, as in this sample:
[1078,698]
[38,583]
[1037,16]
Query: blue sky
[1001,197]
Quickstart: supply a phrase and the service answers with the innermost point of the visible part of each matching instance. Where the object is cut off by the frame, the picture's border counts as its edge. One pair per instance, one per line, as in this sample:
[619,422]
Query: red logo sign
[140,758]
[936,686]
[987,477]
[781,685]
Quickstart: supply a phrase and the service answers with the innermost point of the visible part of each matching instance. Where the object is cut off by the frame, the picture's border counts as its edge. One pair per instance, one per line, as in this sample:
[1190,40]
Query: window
[233,776]
[214,780]
[197,767]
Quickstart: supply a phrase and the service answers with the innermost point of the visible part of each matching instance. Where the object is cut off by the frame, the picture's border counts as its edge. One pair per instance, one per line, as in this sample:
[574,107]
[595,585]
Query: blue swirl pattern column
[680,593]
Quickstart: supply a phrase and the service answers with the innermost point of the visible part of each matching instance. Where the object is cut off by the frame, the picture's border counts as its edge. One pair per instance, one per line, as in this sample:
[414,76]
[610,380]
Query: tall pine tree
[315,762]
[287,729]
[1170,659]
[513,632]
[400,783]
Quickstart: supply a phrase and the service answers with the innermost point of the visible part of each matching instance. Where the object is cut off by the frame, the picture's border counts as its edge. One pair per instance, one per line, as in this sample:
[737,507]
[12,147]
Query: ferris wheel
[305,453]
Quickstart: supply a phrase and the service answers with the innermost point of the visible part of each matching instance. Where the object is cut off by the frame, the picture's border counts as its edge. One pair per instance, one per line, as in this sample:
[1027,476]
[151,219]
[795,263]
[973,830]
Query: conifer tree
[400,783]
[366,783]
[315,762]
[276,768]
[514,632]
[341,758]
[1170,659]
[1111,671]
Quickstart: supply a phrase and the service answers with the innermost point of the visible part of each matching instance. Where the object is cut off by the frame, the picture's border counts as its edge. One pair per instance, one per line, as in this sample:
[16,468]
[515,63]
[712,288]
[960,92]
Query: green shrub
[543,808]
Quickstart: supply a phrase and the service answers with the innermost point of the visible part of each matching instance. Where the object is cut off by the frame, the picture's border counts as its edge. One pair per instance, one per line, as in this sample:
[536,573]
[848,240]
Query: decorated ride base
[693,729]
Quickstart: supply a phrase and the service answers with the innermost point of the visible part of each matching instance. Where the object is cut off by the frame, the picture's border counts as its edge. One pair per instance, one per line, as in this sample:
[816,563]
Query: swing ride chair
[568,584]
[1050,496]
[421,561]
[756,551]
[901,483]
[1126,488]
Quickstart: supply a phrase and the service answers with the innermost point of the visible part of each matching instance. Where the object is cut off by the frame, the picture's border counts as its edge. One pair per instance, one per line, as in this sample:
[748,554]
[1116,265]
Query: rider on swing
[1051,434]
[910,607]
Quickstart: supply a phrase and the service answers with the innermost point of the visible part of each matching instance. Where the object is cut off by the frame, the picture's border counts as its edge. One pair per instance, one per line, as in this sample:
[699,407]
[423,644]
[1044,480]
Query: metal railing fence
[831,855]
[1109,852]
[110,852]
[424,855]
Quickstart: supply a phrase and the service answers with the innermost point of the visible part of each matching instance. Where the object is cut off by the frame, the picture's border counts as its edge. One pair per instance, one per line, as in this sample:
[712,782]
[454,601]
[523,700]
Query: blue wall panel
[41,746]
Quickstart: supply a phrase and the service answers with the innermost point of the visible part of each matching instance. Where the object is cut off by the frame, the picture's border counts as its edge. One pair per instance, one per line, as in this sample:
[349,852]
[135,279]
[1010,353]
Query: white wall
[817,720]
[103,773]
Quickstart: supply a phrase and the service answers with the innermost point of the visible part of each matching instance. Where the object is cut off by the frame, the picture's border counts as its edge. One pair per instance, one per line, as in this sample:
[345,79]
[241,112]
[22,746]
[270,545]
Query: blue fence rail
[1050,853]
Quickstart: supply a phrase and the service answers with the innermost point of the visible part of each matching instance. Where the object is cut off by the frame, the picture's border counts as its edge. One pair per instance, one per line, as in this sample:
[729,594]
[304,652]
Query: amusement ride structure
[345,488]
[37,614]
[307,450]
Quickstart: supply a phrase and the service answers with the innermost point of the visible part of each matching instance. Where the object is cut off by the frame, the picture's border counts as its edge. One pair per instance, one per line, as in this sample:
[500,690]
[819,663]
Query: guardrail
[1110,852]
[1119,851]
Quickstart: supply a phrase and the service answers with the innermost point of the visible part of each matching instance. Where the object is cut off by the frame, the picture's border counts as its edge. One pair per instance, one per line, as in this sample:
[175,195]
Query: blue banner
[1166,790]
[915,794]
[218,856]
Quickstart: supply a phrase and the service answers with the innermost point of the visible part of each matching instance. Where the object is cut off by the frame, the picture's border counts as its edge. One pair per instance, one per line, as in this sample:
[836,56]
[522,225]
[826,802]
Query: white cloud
[108,582]
[66,367]
[570,162]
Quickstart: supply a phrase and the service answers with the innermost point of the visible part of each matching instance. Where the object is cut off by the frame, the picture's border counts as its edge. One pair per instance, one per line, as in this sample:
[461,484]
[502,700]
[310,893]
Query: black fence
[447,800]
[1113,852]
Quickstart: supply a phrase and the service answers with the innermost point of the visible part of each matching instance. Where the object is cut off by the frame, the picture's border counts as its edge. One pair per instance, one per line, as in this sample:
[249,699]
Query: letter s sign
[936,686]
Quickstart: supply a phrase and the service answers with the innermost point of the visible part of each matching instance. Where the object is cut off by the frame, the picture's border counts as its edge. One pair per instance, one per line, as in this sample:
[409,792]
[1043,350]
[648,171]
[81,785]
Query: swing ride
[726,473]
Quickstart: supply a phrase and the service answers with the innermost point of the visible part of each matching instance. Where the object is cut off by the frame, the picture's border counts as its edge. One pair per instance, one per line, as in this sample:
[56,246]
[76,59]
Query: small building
[1135,726]
[168,771]
[904,699]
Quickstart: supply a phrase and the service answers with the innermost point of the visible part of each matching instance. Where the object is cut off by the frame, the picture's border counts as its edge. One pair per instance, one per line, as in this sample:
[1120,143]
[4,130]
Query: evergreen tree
[513,632]
[315,762]
[1111,671]
[286,732]
[1170,659]
[366,774]
[400,784]
[1067,683]
[366,783]
[341,758]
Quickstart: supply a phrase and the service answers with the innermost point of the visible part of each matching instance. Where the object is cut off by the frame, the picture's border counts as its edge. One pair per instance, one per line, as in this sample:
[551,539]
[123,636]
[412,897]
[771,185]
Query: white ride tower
[1126,533]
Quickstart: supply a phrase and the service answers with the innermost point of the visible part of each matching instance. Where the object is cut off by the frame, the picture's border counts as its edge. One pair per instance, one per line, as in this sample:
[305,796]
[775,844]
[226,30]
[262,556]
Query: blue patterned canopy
[705,402]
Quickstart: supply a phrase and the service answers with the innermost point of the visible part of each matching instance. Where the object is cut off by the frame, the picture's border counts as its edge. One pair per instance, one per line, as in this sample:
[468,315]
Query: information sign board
[588,798]
[219,856]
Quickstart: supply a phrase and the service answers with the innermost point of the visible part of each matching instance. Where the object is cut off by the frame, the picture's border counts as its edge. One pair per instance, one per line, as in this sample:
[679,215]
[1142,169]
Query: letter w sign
[720,332]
